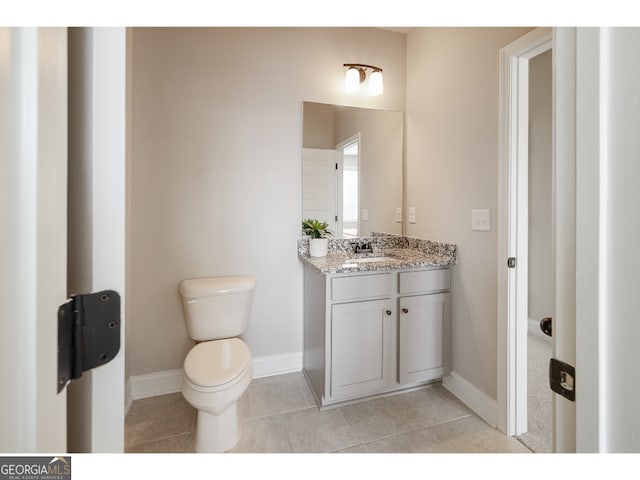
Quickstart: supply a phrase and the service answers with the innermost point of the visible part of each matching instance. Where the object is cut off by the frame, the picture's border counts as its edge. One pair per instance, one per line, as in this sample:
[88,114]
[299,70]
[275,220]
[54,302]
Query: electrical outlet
[481,220]
[399,214]
[365,214]
[412,214]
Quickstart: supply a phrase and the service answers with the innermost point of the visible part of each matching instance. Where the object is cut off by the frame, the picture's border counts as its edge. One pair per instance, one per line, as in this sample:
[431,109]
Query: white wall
[540,188]
[216,173]
[452,168]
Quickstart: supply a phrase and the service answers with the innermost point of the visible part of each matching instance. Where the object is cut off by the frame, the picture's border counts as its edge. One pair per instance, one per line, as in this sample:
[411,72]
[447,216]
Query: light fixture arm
[363,66]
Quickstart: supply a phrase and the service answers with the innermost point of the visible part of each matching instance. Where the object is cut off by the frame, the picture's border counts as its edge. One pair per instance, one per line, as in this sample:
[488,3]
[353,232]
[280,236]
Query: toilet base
[217,433]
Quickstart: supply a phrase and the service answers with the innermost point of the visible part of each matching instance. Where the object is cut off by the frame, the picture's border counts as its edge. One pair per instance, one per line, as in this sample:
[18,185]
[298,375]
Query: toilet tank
[217,307]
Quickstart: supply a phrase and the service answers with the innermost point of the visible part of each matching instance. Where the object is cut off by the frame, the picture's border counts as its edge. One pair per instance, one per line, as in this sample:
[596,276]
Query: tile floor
[279,415]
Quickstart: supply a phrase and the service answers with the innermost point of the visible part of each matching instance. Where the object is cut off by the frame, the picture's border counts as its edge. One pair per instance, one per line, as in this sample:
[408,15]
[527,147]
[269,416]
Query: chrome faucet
[363,247]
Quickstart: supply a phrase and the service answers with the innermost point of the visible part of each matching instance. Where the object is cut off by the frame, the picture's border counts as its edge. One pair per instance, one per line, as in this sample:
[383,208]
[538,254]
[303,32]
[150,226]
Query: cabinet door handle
[405,310]
[389,312]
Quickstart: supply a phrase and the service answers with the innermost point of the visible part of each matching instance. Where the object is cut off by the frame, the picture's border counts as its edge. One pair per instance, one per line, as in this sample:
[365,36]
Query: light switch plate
[481,220]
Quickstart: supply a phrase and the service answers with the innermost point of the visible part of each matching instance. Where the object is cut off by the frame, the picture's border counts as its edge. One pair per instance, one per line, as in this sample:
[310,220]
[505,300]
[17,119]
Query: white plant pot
[318,247]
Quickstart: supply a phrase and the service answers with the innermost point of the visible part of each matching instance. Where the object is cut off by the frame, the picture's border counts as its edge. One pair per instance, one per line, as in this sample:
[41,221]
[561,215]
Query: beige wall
[540,191]
[217,135]
[216,168]
[452,168]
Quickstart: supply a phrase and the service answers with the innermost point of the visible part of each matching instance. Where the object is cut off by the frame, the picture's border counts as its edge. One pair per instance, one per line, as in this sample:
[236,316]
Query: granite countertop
[404,253]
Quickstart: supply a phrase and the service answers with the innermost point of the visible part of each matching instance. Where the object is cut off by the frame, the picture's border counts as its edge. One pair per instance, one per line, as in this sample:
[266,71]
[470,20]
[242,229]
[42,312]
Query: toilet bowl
[216,374]
[217,370]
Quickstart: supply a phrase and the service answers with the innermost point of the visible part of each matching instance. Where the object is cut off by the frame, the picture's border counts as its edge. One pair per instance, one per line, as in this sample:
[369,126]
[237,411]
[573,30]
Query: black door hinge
[88,334]
[511,262]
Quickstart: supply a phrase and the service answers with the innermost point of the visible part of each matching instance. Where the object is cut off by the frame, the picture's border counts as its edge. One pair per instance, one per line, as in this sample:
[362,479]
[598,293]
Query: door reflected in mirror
[348,162]
[352,169]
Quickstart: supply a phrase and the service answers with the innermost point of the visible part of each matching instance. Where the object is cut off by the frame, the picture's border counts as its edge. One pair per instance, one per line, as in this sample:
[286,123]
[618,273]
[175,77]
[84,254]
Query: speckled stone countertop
[399,252]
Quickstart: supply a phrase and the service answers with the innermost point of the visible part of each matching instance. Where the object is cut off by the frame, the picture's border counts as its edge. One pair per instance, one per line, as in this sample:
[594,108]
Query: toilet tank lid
[204,287]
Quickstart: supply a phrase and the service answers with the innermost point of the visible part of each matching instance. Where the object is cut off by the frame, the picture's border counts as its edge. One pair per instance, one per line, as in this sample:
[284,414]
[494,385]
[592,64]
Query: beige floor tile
[428,406]
[315,431]
[263,435]
[373,419]
[396,444]
[279,415]
[158,417]
[466,435]
[176,444]
[275,395]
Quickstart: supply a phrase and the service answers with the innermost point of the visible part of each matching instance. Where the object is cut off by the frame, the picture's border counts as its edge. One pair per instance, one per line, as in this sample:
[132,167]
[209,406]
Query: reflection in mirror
[347,172]
[352,169]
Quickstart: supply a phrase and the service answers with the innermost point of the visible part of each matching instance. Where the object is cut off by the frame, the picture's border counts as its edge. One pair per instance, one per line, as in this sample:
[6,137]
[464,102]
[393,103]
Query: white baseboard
[154,384]
[478,401]
[268,365]
[170,381]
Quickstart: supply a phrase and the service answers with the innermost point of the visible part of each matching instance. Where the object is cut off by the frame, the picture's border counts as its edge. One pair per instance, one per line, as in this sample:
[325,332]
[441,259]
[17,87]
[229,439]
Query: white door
[319,186]
[603,126]
[33,249]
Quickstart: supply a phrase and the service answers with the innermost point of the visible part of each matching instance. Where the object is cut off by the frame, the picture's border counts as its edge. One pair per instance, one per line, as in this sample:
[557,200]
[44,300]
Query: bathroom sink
[370,259]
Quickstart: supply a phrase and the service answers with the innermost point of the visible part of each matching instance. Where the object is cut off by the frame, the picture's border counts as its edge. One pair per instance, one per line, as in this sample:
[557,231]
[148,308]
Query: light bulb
[352,81]
[375,83]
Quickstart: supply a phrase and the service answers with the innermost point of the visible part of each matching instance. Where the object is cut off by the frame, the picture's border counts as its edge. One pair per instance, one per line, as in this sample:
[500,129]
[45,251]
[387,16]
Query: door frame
[339,148]
[513,228]
[98,219]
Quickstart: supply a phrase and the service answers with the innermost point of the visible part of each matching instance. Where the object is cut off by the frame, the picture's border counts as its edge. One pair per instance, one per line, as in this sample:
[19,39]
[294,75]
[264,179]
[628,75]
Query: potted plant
[318,233]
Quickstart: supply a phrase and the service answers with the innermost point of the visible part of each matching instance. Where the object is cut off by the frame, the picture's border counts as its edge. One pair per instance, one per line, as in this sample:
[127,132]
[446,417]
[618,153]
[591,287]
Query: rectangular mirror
[352,169]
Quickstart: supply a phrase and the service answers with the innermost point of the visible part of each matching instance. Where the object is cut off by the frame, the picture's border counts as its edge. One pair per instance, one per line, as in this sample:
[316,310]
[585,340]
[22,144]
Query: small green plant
[316,229]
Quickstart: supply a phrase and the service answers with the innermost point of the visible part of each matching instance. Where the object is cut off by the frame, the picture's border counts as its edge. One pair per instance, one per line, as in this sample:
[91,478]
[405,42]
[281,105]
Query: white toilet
[217,370]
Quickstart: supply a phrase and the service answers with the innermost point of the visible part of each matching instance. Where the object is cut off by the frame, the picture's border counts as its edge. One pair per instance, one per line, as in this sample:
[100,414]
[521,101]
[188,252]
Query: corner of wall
[478,401]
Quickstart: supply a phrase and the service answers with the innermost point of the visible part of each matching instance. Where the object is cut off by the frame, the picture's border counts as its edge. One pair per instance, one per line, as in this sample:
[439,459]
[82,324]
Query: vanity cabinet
[369,333]
[360,346]
[422,324]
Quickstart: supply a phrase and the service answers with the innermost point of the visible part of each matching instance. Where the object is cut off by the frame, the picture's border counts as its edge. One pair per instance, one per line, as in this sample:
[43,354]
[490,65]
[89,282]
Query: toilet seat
[217,365]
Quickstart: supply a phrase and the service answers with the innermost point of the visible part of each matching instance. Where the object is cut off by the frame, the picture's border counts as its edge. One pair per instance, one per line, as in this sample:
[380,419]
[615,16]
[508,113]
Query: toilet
[217,370]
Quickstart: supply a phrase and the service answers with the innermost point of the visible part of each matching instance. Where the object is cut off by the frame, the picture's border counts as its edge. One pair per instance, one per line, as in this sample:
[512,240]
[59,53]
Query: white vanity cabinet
[368,333]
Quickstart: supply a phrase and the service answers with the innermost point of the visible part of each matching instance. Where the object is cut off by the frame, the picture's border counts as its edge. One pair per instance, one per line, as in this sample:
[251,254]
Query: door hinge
[88,333]
[511,262]
[562,379]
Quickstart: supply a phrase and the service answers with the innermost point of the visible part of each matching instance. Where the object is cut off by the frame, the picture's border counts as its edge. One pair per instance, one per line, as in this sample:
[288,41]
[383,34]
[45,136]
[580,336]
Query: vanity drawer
[424,281]
[359,287]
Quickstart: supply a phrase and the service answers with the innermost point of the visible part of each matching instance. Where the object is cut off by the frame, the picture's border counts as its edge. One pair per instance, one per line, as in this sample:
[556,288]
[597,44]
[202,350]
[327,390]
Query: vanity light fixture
[357,73]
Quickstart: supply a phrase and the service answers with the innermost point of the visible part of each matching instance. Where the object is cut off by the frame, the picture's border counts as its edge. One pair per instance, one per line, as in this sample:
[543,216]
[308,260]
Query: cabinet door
[424,337]
[360,347]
